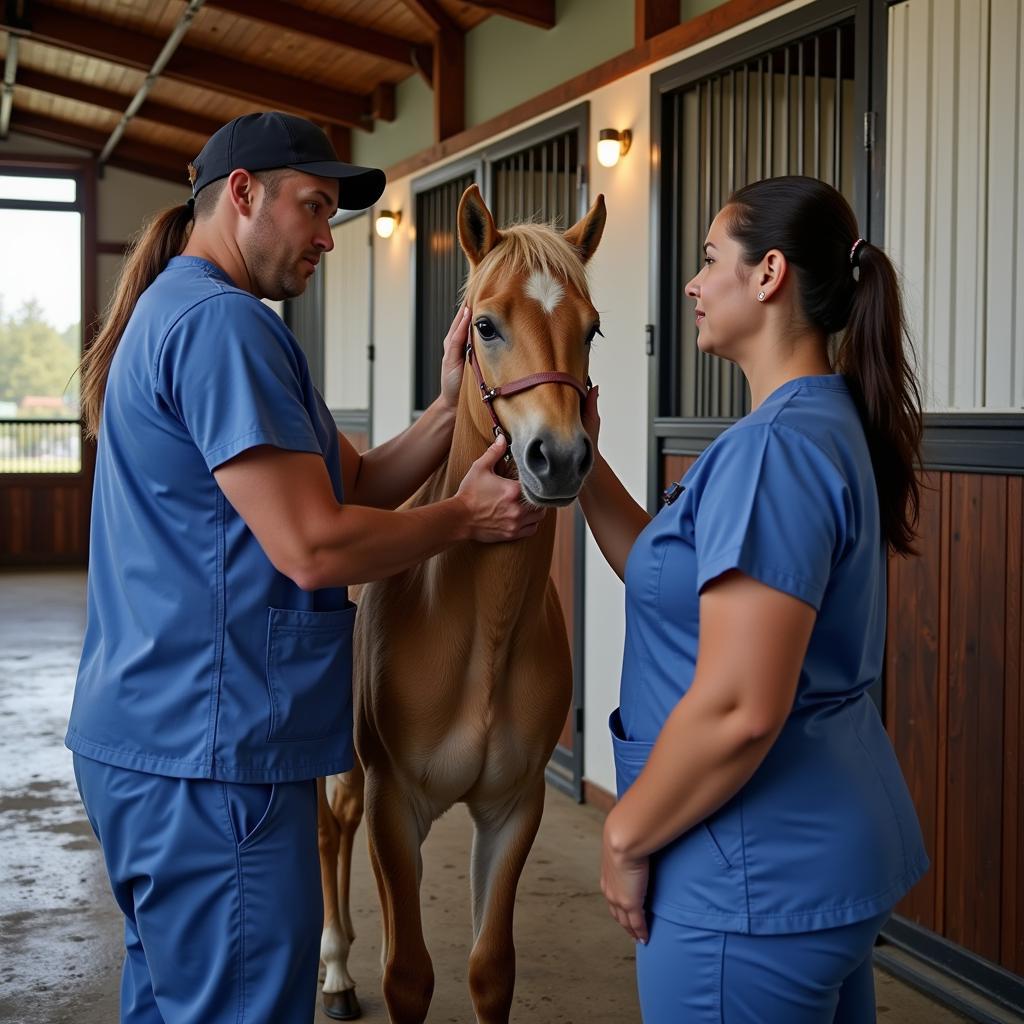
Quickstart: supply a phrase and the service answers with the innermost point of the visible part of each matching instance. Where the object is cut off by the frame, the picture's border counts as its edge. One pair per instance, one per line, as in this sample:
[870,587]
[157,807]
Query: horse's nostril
[587,458]
[537,458]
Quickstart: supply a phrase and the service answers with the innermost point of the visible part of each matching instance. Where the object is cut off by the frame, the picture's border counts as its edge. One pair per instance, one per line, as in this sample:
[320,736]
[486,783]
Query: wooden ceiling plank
[135,156]
[198,67]
[175,117]
[327,28]
[540,13]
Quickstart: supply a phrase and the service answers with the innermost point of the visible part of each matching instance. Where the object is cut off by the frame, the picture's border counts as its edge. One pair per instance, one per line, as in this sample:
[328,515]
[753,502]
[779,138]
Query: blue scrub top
[201,660]
[825,833]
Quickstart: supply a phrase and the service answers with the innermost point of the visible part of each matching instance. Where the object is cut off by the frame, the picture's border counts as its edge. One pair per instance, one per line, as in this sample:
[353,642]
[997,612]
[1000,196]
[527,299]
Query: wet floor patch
[59,947]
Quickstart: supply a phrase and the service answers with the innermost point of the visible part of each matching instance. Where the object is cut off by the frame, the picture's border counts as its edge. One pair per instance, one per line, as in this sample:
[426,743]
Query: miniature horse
[462,670]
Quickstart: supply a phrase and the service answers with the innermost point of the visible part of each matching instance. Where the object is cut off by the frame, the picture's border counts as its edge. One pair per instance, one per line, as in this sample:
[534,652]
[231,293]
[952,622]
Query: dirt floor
[60,934]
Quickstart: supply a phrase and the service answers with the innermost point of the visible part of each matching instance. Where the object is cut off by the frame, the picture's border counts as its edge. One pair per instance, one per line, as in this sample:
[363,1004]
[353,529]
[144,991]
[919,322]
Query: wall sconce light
[612,144]
[387,221]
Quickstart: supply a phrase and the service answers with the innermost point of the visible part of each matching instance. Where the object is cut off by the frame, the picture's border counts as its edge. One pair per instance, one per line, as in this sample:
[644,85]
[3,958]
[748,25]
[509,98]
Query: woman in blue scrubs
[764,830]
[229,517]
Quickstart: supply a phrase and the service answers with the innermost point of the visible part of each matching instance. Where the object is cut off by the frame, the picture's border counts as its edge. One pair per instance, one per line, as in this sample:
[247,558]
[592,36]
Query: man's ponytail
[162,239]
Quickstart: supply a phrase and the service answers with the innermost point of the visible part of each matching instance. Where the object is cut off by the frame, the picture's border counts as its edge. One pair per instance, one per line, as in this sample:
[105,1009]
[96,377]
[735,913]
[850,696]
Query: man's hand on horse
[497,509]
[454,358]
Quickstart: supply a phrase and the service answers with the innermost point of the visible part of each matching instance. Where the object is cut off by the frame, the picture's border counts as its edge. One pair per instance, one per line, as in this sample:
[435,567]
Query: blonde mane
[523,250]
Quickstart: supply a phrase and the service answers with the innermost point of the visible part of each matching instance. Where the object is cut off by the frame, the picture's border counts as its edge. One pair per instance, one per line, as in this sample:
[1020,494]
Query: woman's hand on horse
[454,358]
[497,511]
[591,417]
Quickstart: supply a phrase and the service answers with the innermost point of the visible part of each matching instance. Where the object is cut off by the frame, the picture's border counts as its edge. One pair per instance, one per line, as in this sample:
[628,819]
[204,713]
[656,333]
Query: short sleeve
[774,506]
[234,379]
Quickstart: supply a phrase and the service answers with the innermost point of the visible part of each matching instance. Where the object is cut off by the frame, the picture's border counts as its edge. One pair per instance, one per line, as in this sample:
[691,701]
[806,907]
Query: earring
[760,296]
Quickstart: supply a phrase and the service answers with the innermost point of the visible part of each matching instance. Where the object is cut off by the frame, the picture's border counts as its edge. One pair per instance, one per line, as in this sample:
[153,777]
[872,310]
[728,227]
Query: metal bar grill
[538,183]
[738,125]
[440,270]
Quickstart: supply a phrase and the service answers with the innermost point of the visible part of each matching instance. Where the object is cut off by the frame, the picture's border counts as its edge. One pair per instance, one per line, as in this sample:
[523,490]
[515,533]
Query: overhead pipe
[7,98]
[173,42]
[16,16]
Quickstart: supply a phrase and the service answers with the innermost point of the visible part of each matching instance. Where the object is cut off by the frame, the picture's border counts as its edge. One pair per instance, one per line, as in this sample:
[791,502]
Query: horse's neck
[513,574]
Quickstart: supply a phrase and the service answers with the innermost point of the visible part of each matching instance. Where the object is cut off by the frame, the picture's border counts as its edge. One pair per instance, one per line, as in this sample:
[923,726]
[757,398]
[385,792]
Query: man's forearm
[391,472]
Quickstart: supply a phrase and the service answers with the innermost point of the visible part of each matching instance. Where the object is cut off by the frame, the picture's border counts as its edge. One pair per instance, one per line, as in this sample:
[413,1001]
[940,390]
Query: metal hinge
[579,721]
[869,130]
[371,352]
[649,344]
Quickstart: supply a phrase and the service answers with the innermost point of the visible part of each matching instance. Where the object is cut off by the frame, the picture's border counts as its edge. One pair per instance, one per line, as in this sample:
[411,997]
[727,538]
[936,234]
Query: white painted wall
[347,316]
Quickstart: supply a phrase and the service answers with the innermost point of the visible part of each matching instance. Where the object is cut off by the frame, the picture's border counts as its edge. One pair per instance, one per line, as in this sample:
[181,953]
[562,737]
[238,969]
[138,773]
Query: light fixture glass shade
[612,144]
[385,223]
[608,152]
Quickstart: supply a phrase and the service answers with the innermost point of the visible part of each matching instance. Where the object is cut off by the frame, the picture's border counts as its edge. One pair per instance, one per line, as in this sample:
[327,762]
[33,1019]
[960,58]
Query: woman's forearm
[392,472]
[704,754]
[614,518]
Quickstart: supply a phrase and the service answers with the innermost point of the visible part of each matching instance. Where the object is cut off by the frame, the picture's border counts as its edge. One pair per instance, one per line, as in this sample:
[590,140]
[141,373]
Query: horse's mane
[523,250]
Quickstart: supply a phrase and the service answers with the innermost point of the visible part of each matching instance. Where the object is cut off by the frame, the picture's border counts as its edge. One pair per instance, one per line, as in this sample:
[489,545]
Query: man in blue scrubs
[229,516]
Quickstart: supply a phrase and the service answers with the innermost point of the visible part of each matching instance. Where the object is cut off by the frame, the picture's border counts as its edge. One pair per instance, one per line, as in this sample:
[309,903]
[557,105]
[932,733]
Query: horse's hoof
[342,1005]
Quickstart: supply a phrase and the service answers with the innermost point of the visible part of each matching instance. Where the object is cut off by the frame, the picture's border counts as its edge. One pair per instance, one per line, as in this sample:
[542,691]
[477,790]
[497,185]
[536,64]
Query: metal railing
[786,111]
[40,446]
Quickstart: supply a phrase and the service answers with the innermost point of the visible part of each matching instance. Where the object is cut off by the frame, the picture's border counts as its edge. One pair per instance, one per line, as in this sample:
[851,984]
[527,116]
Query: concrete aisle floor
[60,936]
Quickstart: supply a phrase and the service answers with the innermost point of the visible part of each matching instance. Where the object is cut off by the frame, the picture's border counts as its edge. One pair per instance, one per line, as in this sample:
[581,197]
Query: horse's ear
[586,233]
[477,232]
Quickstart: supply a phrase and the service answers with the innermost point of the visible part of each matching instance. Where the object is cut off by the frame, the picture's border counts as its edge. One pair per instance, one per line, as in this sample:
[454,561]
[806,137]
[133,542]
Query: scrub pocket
[630,755]
[693,879]
[309,674]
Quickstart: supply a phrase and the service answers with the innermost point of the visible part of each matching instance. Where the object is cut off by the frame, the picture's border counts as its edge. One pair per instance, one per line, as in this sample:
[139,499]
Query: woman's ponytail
[813,226]
[163,238]
[875,356]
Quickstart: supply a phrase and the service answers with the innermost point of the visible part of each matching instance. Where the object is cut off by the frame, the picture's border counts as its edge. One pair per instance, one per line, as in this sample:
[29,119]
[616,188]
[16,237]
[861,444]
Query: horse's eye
[485,329]
[596,332]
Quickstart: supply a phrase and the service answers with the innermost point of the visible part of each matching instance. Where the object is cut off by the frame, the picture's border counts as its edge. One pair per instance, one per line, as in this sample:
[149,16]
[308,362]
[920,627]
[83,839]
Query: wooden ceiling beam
[449,84]
[250,82]
[382,103]
[142,157]
[330,29]
[107,99]
[449,68]
[433,15]
[540,13]
[654,17]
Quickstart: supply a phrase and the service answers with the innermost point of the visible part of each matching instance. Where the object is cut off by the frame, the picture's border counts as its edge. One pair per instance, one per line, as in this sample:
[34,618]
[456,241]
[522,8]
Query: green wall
[411,130]
[507,62]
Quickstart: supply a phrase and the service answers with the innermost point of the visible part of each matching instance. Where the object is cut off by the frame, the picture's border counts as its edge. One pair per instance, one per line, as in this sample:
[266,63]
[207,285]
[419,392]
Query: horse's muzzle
[552,471]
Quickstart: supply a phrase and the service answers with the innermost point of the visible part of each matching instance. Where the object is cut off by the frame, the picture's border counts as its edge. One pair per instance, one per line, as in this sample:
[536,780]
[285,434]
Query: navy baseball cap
[263,142]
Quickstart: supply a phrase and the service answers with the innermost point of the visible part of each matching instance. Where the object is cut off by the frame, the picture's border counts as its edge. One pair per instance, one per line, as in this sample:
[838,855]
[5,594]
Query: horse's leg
[340,811]
[397,829]
[501,843]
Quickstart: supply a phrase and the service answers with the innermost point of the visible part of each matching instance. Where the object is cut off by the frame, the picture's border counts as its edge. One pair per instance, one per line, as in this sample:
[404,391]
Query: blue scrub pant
[692,976]
[219,884]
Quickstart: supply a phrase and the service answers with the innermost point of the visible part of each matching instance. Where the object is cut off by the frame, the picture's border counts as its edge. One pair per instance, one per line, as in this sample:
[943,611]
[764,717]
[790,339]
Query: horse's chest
[472,758]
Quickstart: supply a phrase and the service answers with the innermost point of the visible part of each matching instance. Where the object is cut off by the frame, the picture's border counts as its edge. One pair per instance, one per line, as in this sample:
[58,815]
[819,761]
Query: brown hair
[812,225]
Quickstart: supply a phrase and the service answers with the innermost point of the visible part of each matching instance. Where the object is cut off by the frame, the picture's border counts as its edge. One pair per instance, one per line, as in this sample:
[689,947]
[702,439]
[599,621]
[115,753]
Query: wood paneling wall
[954,708]
[45,520]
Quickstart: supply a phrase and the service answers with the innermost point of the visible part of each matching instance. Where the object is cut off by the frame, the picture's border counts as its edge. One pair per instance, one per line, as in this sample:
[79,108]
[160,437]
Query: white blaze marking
[545,289]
